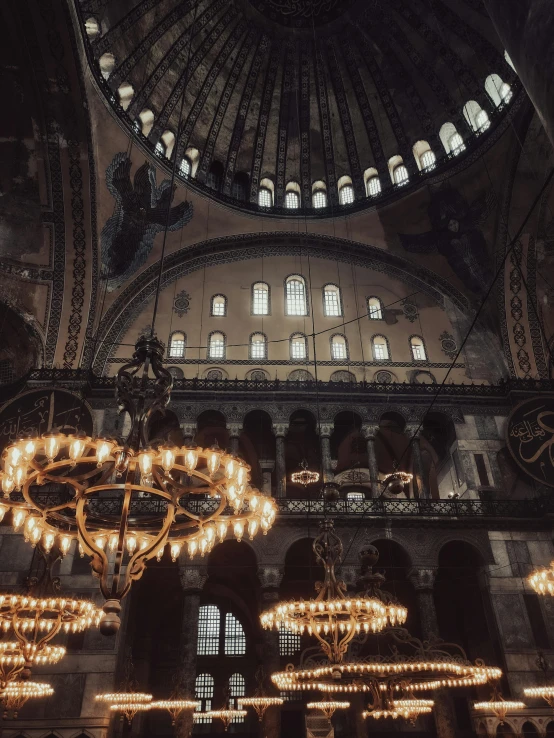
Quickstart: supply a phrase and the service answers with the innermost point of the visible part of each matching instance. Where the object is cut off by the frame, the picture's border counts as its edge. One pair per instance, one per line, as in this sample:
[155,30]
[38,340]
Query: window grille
[177,346]
[320,199]
[204,688]
[456,143]
[346,195]
[235,640]
[380,352]
[258,346]
[217,346]
[374,308]
[208,631]
[292,200]
[373,186]
[298,347]
[401,175]
[338,348]
[264,198]
[289,643]
[219,306]
[296,296]
[185,168]
[237,689]
[260,299]
[428,161]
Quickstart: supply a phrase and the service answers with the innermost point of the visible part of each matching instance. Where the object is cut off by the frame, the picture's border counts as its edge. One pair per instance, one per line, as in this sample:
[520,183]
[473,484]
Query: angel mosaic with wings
[141,212]
[457,236]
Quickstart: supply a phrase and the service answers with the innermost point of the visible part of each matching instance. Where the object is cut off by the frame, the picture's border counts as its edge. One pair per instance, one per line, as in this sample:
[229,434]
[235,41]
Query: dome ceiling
[298,90]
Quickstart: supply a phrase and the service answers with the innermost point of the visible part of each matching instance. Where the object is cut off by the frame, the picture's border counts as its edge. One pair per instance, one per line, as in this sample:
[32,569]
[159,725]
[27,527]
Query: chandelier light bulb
[100,542]
[8,484]
[167,458]
[190,458]
[19,474]
[103,451]
[113,541]
[230,467]
[131,543]
[65,545]
[193,547]
[175,551]
[13,455]
[238,530]
[3,510]
[18,518]
[145,461]
[35,535]
[77,445]
[222,527]
[213,460]
[28,449]
[52,444]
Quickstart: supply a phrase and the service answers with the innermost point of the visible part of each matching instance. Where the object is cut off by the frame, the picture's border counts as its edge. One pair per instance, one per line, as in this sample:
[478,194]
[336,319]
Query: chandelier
[226,716]
[127,703]
[128,498]
[175,707]
[335,617]
[328,707]
[305,476]
[34,619]
[394,482]
[16,694]
[409,709]
[499,706]
[545,692]
[260,701]
[542,580]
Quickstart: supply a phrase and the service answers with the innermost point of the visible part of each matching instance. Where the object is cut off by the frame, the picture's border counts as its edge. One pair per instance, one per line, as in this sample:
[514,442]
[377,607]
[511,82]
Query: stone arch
[479,543]
[403,540]
[189,259]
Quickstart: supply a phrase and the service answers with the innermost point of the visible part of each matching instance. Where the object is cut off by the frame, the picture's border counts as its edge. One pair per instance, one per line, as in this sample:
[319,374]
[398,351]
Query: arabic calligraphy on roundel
[38,411]
[530,438]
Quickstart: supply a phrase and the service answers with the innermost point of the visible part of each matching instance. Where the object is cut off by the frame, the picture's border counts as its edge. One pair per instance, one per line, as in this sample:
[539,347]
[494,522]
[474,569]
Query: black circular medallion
[530,438]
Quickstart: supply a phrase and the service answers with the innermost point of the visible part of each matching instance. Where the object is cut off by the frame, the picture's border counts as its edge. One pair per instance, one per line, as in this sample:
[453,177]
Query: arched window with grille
[499,92]
[216,345]
[451,140]
[380,348]
[418,348]
[339,347]
[219,306]
[237,689]
[235,640]
[185,167]
[265,199]
[292,195]
[295,295]
[400,175]
[260,298]
[373,186]
[477,118]
[298,347]
[346,190]
[374,308]
[204,692]
[319,199]
[177,344]
[424,156]
[332,302]
[209,623]
[258,346]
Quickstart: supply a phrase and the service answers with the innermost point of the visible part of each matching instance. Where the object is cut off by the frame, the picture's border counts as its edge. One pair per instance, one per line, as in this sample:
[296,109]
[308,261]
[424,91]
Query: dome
[303,105]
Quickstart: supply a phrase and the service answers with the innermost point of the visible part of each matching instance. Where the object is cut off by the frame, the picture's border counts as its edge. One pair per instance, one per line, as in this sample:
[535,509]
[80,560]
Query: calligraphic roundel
[37,411]
[530,438]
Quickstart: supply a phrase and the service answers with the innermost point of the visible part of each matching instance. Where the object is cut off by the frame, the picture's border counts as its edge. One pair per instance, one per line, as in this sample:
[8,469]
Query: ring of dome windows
[478,121]
[296,304]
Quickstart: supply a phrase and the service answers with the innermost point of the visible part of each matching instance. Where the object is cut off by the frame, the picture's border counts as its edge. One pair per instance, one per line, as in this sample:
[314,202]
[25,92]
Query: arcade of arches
[337,216]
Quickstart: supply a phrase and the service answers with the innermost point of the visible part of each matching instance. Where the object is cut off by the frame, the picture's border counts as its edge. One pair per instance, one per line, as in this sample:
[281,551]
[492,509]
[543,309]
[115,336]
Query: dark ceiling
[299,90]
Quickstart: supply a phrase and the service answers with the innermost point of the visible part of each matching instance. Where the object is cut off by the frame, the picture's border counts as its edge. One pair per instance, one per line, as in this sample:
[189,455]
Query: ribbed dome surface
[299,90]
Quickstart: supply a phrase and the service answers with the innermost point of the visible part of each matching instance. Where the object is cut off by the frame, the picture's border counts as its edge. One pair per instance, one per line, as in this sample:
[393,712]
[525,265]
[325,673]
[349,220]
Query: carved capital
[193,578]
[270,576]
[422,578]
[235,429]
[326,431]
[189,429]
[369,431]
[280,429]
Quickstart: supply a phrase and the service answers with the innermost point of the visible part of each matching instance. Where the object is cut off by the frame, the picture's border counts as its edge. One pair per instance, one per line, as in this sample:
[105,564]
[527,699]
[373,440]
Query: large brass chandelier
[394,681]
[334,617]
[130,498]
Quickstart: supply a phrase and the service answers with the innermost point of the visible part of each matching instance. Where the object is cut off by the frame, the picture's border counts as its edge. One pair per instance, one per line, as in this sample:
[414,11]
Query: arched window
[424,156]
[125,93]
[332,303]
[373,186]
[346,190]
[380,348]
[265,199]
[374,308]
[400,175]
[237,687]
[216,346]
[219,306]
[258,346]
[292,195]
[177,344]
[185,167]
[260,298]
[289,642]
[204,689]
[106,64]
[208,631]
[292,200]
[476,116]
[295,295]
[240,186]
[499,92]
[92,28]
[193,155]
[451,140]
[214,180]
[145,121]
[319,199]
[418,348]
[339,348]
[235,640]
[298,347]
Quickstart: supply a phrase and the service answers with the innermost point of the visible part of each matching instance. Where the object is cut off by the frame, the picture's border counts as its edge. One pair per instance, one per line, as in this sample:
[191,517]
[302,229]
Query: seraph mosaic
[457,236]
[140,213]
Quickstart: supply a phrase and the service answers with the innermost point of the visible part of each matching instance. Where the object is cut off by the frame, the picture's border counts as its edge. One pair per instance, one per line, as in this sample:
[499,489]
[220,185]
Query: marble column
[369,432]
[270,578]
[325,443]
[525,30]
[423,580]
[193,579]
[267,466]
[421,483]
[235,429]
[280,431]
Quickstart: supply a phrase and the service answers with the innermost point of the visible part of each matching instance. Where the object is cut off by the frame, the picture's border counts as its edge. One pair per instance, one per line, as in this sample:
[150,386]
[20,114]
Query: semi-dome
[303,104]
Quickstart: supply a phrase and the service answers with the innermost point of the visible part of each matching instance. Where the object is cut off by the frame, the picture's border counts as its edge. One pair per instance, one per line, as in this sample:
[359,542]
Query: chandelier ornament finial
[334,617]
[126,500]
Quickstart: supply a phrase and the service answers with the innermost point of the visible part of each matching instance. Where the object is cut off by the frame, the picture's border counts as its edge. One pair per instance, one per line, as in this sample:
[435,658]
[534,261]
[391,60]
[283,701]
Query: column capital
[280,429]
[422,578]
[189,429]
[193,578]
[369,431]
[235,429]
[270,576]
[325,431]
